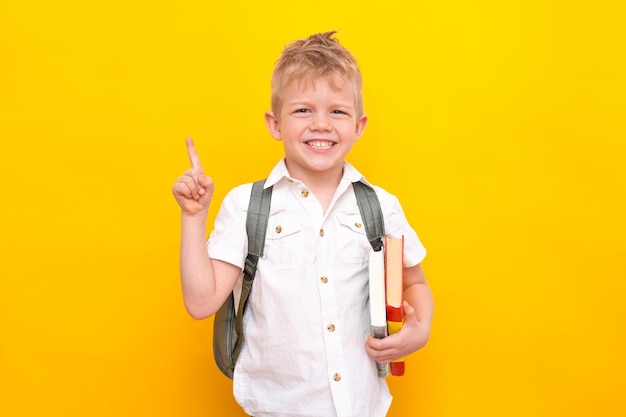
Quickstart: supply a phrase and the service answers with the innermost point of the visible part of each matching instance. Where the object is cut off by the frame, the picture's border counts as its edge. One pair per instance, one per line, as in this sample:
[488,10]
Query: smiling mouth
[320,144]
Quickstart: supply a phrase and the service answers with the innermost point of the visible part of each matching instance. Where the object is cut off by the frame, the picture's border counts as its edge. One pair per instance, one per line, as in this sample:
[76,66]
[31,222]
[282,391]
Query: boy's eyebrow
[307,103]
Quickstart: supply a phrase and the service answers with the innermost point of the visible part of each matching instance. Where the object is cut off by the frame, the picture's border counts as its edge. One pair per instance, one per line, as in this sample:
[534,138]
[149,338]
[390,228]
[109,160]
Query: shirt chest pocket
[353,244]
[283,241]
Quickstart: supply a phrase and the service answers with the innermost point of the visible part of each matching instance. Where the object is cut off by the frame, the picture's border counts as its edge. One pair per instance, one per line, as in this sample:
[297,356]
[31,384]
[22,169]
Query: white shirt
[308,313]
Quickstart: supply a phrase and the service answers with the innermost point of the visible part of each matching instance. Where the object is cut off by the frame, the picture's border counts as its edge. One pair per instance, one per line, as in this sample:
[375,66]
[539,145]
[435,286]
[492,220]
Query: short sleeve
[228,241]
[397,225]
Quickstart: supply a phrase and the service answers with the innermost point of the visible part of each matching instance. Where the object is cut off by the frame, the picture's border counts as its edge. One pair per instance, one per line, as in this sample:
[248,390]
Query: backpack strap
[256,226]
[372,214]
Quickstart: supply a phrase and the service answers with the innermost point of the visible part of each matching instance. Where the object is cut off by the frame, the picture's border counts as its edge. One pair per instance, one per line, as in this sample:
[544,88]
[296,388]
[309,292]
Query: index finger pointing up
[193,155]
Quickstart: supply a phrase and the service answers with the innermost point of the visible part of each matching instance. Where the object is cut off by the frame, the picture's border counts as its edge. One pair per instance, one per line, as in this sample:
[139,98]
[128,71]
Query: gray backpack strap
[372,214]
[256,226]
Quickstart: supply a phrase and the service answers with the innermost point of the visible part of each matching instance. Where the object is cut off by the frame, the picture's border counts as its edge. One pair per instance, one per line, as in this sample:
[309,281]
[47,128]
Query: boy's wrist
[200,217]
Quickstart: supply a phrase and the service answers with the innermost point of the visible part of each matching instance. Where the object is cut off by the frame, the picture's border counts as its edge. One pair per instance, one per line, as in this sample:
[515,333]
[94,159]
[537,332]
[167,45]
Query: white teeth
[319,144]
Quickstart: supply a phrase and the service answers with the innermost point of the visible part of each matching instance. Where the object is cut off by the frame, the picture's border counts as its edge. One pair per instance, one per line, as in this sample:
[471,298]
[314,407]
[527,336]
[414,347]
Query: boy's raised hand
[193,190]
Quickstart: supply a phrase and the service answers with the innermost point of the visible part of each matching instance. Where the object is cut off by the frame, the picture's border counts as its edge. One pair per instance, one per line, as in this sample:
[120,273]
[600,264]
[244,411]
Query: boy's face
[318,125]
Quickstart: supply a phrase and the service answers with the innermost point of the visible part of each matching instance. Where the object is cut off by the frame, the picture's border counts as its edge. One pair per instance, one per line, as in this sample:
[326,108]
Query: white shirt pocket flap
[282,225]
[352,221]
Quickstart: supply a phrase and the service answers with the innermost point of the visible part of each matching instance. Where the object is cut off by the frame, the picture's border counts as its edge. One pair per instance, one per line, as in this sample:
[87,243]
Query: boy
[307,351]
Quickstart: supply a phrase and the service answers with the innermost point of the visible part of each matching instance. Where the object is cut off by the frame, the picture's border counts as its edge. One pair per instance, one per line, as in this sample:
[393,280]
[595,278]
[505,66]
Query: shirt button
[279,229]
[358,225]
[304,193]
[322,232]
[324,280]
[337,377]
[331,328]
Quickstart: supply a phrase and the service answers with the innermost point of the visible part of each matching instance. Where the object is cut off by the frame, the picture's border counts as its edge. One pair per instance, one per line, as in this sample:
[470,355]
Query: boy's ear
[273,126]
[360,126]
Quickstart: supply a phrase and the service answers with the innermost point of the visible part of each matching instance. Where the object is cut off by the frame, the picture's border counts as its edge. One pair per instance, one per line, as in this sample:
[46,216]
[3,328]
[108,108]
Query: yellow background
[499,124]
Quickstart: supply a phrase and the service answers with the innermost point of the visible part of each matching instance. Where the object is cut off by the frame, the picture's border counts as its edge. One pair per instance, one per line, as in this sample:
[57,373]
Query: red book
[394,290]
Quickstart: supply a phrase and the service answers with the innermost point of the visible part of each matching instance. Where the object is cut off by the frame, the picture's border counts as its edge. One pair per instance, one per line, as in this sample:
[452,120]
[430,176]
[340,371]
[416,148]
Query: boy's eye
[339,112]
[302,111]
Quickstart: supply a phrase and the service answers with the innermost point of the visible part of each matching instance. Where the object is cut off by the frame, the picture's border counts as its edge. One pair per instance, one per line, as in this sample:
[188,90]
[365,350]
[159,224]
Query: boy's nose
[321,122]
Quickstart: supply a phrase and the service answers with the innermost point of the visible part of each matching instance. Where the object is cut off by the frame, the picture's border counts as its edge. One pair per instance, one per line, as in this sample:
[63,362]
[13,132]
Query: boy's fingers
[408,308]
[186,186]
[194,158]
[409,313]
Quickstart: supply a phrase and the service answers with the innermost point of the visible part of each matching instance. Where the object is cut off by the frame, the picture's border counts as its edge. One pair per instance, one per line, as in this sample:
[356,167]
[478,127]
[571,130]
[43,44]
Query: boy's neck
[322,184]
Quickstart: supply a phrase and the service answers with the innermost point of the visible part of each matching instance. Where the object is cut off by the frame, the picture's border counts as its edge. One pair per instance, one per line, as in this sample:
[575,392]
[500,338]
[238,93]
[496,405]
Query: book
[394,290]
[378,303]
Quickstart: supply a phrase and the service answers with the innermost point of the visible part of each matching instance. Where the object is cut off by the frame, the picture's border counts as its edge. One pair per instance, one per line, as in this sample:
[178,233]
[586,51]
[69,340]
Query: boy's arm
[418,311]
[202,293]
[418,295]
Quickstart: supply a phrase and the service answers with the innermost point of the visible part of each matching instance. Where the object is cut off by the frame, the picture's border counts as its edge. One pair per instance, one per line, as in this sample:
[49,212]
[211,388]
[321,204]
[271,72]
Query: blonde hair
[319,55]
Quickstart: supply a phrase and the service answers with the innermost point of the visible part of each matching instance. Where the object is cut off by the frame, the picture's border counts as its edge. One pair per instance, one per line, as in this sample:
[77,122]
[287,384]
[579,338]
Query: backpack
[228,326]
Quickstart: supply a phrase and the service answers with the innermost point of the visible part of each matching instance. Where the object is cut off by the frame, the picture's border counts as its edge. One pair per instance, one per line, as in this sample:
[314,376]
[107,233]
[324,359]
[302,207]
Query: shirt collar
[281,173]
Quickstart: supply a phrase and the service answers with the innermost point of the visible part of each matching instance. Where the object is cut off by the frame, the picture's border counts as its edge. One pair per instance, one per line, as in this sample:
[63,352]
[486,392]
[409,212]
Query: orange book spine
[394,285]
[397,366]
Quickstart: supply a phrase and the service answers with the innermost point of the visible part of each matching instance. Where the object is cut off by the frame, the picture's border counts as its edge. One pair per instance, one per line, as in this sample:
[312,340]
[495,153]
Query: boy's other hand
[412,336]
[193,190]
